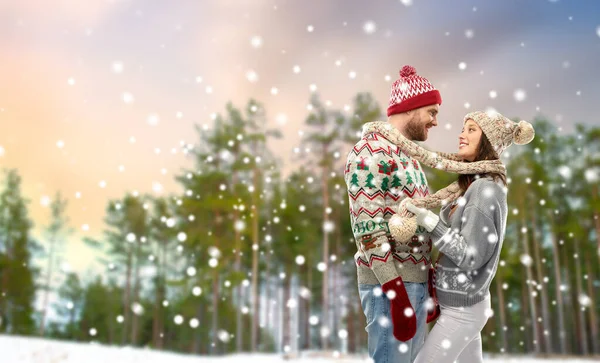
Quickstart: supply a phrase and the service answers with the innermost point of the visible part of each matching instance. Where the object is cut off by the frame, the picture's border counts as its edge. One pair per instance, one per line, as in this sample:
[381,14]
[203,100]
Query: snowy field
[34,350]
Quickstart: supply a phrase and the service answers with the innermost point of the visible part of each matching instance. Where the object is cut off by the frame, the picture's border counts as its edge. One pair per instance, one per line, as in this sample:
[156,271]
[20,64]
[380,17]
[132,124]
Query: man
[392,277]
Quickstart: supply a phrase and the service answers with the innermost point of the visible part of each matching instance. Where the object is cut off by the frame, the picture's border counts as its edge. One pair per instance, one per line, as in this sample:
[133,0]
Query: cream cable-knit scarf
[401,225]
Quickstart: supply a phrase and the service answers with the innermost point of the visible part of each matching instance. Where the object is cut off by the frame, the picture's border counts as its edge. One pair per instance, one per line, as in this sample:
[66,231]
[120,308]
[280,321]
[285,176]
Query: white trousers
[456,336]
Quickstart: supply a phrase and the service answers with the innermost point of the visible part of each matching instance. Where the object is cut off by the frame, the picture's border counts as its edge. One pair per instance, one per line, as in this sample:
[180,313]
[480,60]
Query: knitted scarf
[402,225]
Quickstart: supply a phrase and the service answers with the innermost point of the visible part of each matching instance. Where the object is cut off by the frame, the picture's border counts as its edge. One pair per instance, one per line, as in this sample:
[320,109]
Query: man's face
[421,120]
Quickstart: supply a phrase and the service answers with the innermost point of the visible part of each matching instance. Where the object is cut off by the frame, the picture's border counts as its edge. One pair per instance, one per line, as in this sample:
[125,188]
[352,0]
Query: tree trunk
[237,268]
[527,316]
[580,311]
[532,302]
[546,323]
[126,303]
[325,305]
[307,337]
[502,308]
[570,307]
[255,245]
[196,340]
[286,326]
[596,219]
[337,302]
[215,312]
[157,330]
[592,307]
[562,333]
[136,295]
[47,286]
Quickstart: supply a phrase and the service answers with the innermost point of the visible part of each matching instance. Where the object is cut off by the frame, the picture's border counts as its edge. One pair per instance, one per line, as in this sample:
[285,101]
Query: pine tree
[69,305]
[369,183]
[16,272]
[354,180]
[409,180]
[396,182]
[385,184]
[56,231]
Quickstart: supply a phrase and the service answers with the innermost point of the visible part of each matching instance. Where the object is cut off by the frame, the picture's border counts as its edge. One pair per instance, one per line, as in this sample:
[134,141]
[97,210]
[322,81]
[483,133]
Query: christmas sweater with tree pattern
[378,176]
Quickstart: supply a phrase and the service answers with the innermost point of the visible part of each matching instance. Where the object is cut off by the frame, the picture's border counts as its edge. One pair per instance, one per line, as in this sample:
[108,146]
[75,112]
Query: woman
[468,233]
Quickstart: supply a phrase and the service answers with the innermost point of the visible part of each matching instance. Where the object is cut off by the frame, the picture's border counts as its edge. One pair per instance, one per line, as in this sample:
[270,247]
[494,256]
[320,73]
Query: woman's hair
[485,151]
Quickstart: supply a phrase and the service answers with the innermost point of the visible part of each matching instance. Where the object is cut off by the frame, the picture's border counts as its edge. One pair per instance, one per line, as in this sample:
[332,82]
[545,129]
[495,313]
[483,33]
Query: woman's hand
[425,217]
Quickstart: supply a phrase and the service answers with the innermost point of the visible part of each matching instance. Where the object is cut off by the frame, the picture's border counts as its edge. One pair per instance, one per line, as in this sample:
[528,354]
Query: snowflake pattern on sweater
[378,176]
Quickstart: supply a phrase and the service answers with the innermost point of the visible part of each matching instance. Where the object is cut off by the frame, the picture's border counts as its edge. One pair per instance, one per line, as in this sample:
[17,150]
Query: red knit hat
[411,91]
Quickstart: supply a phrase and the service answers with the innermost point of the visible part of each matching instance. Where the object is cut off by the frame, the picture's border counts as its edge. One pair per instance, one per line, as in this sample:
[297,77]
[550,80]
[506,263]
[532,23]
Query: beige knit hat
[500,131]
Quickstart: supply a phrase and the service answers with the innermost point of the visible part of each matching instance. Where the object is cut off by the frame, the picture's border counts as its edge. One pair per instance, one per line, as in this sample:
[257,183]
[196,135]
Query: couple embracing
[400,289]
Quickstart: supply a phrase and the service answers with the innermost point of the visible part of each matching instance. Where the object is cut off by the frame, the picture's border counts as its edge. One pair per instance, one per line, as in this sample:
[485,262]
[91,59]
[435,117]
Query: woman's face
[468,140]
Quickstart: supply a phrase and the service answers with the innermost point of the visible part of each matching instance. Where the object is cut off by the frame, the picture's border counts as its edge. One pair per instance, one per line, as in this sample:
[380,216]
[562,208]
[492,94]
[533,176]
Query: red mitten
[434,311]
[404,320]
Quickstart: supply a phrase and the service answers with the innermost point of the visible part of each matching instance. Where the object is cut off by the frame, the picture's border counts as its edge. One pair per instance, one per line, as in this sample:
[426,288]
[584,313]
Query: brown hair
[485,151]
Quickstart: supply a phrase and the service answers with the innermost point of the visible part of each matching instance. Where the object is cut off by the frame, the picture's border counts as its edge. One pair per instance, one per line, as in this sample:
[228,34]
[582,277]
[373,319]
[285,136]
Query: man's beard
[415,130]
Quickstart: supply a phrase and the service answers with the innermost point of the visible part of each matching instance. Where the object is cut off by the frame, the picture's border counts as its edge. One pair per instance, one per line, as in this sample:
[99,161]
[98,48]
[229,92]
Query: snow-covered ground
[35,350]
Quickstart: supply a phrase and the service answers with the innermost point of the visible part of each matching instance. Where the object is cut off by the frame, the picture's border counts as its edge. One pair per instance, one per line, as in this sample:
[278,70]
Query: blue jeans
[383,347]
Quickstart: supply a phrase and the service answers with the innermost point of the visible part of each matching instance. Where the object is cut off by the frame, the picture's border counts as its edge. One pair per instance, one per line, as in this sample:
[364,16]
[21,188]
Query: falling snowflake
[305,293]
[127,97]
[462,66]
[406,2]
[591,175]
[178,319]
[300,260]
[584,300]
[493,94]
[446,344]
[343,334]
[370,27]
[93,332]
[137,308]
[197,291]
[256,41]
[71,81]
[153,119]
[252,76]
[526,260]
[469,33]
[321,266]
[45,201]
[383,321]
[310,28]
[191,271]
[281,119]
[117,67]
[520,95]
[194,323]
[328,226]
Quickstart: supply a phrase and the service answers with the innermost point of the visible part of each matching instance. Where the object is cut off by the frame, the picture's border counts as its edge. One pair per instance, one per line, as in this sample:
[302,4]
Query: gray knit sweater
[471,245]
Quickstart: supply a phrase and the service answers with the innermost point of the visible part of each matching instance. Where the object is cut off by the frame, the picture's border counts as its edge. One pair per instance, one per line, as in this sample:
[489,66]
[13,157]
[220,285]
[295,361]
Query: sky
[98,97]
